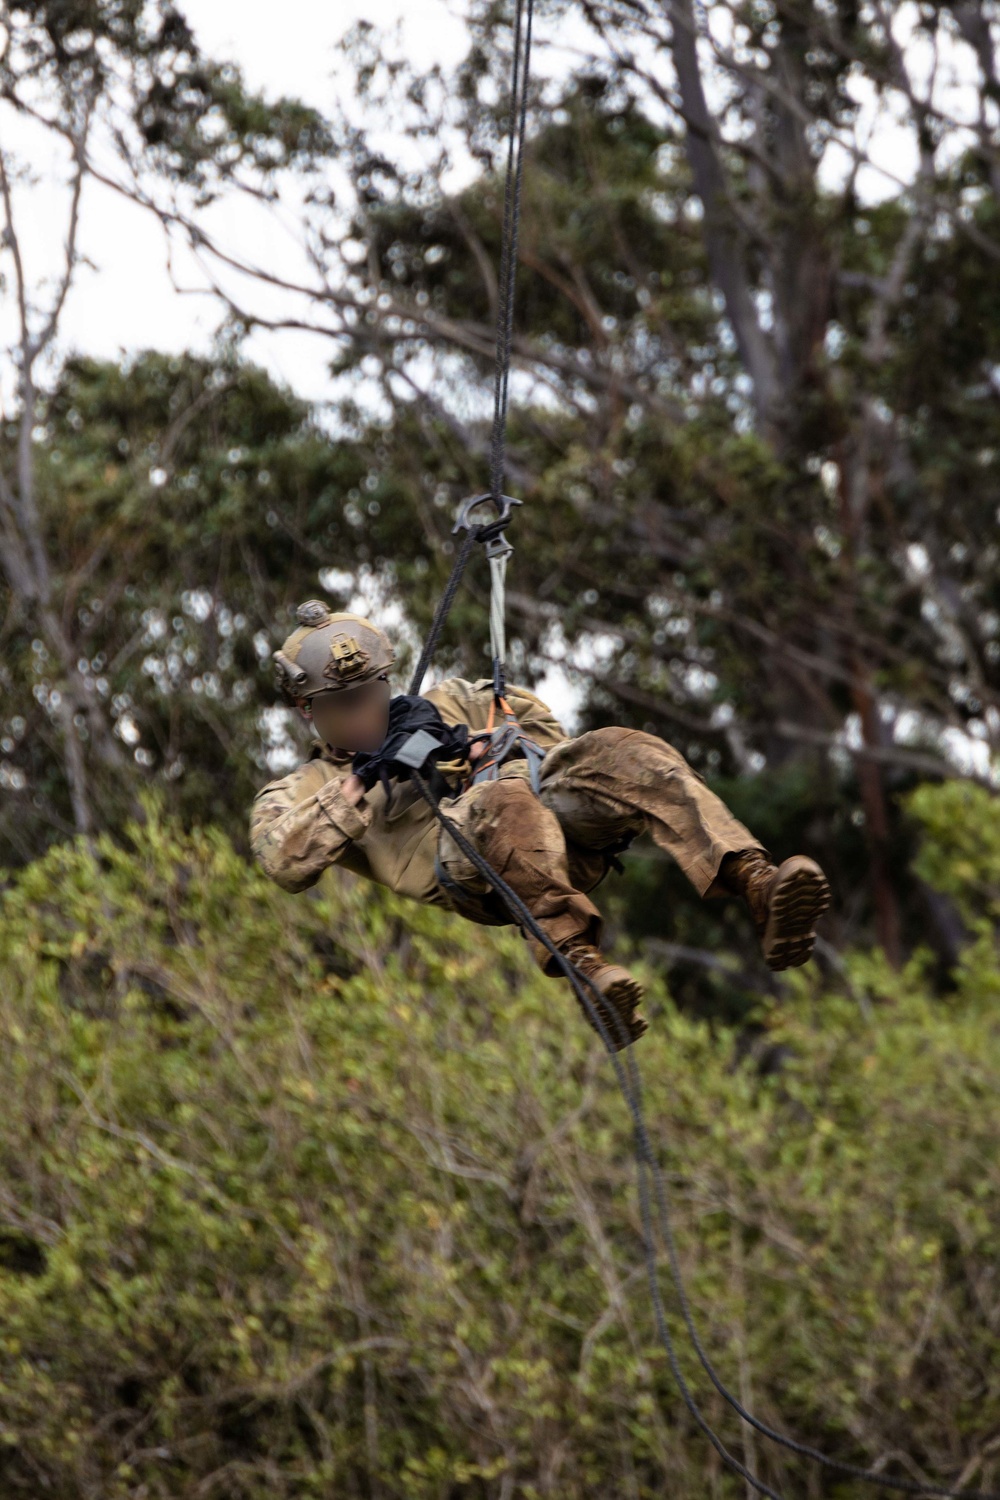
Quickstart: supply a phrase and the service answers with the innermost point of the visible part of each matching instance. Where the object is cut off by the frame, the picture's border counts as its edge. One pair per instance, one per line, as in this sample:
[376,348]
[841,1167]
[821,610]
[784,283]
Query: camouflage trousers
[595,790]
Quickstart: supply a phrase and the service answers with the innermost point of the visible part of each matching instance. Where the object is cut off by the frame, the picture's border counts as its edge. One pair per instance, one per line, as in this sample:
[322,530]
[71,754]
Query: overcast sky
[125,300]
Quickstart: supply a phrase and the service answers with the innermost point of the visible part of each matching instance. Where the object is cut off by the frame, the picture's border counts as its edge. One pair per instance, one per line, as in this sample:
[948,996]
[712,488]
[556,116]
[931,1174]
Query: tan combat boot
[785,901]
[619,993]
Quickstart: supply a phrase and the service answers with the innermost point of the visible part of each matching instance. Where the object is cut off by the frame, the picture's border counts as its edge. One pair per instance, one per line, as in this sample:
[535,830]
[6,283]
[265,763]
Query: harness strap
[507,739]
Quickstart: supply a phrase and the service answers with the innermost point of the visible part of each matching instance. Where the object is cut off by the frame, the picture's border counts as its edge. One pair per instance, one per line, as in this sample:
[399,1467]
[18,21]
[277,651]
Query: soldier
[546,810]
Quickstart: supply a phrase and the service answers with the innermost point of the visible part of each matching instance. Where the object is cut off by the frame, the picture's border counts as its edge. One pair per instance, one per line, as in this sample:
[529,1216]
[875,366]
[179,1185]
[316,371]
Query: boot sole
[624,995]
[799,897]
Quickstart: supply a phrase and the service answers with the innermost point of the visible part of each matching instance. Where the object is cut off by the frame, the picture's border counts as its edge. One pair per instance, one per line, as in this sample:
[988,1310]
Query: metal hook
[486,531]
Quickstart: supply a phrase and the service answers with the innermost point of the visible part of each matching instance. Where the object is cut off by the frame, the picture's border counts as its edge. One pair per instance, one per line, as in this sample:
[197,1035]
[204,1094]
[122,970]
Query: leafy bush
[334,1195]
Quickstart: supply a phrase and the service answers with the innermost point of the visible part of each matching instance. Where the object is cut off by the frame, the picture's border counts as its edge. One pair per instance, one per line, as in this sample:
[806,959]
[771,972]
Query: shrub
[334,1195]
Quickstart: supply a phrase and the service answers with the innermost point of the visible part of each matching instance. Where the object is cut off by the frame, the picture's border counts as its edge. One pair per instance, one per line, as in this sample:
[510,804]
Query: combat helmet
[330,651]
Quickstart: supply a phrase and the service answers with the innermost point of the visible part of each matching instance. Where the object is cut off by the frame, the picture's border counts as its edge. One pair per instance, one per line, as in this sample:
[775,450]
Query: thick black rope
[520,73]
[441,613]
[505,316]
[631,1090]
[581,984]
[868,1476]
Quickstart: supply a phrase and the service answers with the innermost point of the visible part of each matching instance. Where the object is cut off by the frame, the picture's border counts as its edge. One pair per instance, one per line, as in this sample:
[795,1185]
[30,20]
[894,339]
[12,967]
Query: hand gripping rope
[654,1207]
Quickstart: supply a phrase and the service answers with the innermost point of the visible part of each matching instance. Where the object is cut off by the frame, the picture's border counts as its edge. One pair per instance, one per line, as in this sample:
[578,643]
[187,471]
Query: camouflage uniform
[595,789]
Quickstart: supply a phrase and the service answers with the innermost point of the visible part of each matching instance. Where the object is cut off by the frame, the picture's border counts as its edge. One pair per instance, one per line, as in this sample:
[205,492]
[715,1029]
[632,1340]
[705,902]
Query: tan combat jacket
[301,824]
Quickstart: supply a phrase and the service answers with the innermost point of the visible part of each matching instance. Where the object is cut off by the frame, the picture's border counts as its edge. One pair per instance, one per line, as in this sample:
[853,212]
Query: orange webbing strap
[506,738]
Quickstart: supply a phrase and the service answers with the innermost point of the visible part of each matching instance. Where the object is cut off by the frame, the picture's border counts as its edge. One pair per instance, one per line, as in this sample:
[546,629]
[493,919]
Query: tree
[130,79]
[758,423]
[159,486]
[755,410]
[324,1194]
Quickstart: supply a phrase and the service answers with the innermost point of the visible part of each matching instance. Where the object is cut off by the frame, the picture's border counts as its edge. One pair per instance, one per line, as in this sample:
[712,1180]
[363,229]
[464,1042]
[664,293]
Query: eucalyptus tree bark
[128,96]
[23,545]
[724,240]
[791,262]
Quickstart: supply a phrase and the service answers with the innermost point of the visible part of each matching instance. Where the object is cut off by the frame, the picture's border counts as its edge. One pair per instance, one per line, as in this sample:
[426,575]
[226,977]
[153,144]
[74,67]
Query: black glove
[416,738]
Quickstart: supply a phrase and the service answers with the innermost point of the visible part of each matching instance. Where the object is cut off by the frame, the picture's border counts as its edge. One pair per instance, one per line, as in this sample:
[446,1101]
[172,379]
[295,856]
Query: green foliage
[961,854]
[193,118]
[961,857]
[740,572]
[190,504]
[334,1195]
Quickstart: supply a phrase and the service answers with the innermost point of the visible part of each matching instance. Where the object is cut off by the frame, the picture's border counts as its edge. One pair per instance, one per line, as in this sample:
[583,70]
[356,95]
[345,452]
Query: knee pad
[612,734]
[505,792]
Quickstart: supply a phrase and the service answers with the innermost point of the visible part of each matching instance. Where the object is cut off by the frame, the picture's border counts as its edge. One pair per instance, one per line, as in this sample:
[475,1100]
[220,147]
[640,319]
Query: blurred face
[352,718]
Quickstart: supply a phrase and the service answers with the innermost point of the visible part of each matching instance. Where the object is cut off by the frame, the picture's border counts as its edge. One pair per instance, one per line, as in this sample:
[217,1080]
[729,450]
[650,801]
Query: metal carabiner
[486,531]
